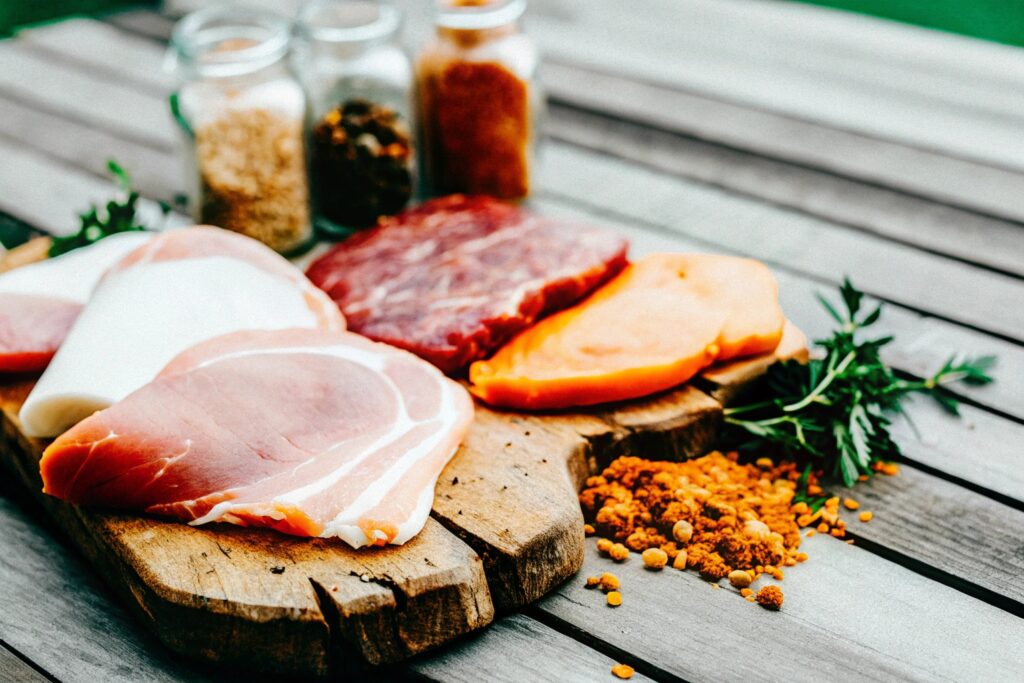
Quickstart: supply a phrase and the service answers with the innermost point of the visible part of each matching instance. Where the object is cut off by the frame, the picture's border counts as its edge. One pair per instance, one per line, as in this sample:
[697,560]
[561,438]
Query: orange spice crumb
[604,545]
[614,599]
[850,504]
[654,558]
[608,581]
[746,591]
[592,582]
[623,671]
[588,530]
[750,598]
[619,552]
[866,516]
[770,597]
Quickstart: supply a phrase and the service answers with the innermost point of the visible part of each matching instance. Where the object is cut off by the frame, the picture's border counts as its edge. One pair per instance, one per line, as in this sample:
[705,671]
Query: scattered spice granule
[823,528]
[619,552]
[746,592]
[888,468]
[750,598]
[738,516]
[865,516]
[655,558]
[614,599]
[680,561]
[604,545]
[770,597]
[588,530]
[740,578]
[810,532]
[624,671]
[609,581]
[592,582]
[850,504]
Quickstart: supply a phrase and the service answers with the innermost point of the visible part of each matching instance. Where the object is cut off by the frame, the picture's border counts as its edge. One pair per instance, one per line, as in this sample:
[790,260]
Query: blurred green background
[998,20]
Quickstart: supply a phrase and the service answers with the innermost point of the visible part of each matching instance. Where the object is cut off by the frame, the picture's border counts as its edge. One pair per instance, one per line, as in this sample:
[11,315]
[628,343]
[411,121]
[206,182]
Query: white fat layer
[140,318]
[73,276]
[346,524]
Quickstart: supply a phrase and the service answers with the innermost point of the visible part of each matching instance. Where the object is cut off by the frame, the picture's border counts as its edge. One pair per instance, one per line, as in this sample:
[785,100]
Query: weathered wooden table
[823,143]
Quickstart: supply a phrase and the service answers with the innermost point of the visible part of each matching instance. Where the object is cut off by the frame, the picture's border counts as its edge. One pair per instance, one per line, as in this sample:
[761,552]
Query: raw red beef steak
[455,278]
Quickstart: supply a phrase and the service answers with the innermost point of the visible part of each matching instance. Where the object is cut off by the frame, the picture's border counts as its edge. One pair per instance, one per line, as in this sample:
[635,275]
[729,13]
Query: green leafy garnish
[834,412]
[118,215]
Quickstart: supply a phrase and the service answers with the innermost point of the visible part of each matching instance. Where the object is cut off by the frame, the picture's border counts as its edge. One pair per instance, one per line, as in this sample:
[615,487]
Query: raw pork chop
[179,289]
[40,302]
[309,432]
[455,278]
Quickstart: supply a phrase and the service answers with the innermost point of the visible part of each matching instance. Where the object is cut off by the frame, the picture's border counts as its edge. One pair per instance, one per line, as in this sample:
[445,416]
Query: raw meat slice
[309,432]
[661,321]
[455,278]
[181,288]
[40,302]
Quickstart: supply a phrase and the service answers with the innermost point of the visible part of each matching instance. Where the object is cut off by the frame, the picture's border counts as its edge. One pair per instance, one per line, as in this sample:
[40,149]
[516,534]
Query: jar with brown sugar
[242,115]
[480,104]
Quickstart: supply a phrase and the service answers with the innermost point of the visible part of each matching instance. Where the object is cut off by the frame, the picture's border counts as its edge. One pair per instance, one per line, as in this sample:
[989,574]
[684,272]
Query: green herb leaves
[833,412]
[119,215]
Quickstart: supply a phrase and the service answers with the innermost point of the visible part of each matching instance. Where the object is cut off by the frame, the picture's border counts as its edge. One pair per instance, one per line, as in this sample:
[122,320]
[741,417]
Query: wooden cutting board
[506,528]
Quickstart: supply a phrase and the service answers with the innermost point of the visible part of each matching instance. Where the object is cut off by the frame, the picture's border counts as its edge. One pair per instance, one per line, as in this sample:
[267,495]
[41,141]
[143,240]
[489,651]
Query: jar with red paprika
[480,104]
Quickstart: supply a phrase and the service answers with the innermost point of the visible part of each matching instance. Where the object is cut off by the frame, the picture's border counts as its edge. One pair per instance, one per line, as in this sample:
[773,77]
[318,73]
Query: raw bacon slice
[455,278]
[308,432]
[179,289]
[40,302]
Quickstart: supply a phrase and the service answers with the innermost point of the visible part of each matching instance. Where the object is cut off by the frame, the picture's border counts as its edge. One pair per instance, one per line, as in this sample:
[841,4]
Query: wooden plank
[107,50]
[514,649]
[733,61]
[49,195]
[808,245]
[13,670]
[847,614]
[904,218]
[103,101]
[947,528]
[55,611]
[920,172]
[88,148]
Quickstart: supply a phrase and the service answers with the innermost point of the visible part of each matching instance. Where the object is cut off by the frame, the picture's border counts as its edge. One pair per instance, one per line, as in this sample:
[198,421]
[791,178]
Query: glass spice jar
[480,103]
[358,82]
[243,115]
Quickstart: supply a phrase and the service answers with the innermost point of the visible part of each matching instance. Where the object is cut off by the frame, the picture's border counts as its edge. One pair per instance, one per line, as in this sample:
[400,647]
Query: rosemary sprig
[834,412]
[118,215]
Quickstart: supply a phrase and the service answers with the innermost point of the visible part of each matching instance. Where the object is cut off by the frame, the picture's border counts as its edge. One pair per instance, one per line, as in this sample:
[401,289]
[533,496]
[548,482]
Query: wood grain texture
[858,205]
[847,614]
[13,670]
[244,597]
[947,528]
[515,649]
[55,610]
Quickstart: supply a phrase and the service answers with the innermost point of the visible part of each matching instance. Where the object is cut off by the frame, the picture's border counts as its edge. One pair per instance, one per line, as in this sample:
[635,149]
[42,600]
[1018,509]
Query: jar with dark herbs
[480,104]
[243,115]
[358,82]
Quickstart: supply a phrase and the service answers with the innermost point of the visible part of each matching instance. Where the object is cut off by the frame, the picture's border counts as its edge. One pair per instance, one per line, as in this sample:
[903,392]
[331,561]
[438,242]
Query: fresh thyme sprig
[834,412]
[118,215]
